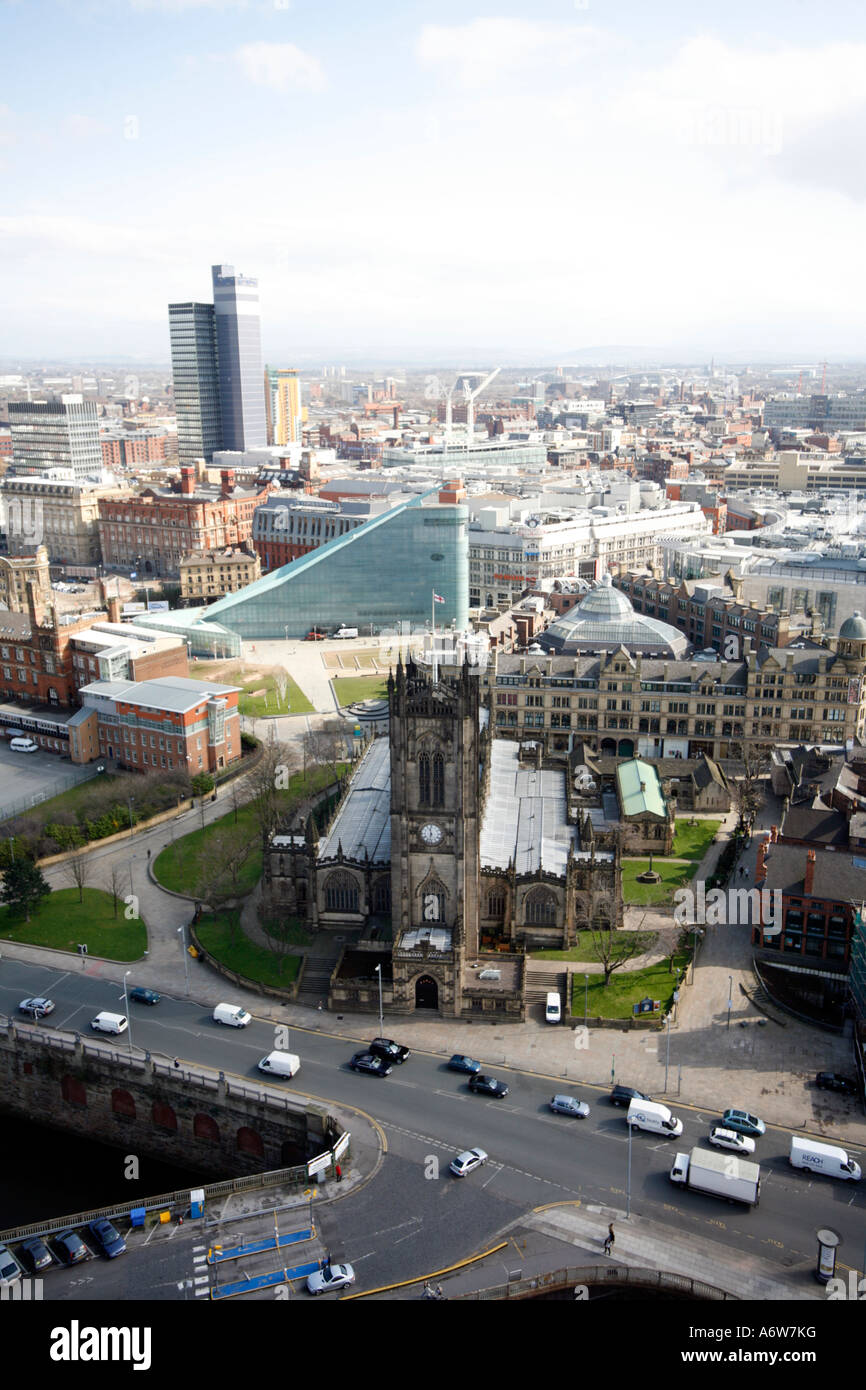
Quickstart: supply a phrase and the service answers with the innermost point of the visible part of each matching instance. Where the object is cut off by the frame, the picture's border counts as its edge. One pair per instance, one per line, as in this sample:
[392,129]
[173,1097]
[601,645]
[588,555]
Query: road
[413,1217]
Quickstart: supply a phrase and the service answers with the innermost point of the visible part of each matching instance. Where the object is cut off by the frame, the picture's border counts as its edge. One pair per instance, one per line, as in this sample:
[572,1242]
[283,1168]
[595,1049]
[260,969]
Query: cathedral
[450,853]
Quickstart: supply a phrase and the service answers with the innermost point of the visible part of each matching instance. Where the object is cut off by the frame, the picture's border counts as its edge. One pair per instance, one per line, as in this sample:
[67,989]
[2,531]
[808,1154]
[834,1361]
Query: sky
[484,180]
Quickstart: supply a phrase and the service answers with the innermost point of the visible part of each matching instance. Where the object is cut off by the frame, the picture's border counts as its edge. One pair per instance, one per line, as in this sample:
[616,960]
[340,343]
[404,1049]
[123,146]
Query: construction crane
[469,396]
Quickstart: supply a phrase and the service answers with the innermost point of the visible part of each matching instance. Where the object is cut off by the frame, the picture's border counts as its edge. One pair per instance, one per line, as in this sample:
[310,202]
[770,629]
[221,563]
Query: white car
[37,1007]
[467,1162]
[729,1139]
[569,1105]
[331,1277]
[10,1269]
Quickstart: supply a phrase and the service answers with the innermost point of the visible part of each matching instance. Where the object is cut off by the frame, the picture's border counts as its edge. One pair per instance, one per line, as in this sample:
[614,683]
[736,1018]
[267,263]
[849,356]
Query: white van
[828,1159]
[346,632]
[553,1009]
[23,745]
[110,1023]
[653,1117]
[232,1014]
[280,1064]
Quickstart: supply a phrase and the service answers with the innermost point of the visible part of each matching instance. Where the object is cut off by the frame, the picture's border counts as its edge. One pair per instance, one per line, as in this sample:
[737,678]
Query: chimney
[187,481]
[114,609]
[227,482]
[32,596]
[809,879]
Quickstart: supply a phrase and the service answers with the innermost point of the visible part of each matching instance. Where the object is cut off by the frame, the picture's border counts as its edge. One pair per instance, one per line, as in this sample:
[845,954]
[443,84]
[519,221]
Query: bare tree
[279,931]
[326,747]
[747,790]
[117,882]
[222,865]
[615,949]
[269,782]
[78,871]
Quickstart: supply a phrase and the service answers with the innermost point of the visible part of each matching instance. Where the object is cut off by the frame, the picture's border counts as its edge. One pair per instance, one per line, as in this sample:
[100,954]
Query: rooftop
[362,826]
[176,693]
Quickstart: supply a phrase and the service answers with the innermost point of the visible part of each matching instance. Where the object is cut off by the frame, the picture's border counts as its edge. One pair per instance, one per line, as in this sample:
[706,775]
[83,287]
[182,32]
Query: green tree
[202,783]
[24,887]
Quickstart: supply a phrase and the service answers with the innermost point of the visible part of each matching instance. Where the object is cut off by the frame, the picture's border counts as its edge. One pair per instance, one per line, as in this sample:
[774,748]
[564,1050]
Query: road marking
[205,1279]
[199,1259]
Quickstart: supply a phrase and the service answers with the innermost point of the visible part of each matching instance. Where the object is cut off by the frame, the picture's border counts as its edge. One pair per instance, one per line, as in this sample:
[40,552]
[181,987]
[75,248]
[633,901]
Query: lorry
[829,1159]
[719,1175]
[654,1118]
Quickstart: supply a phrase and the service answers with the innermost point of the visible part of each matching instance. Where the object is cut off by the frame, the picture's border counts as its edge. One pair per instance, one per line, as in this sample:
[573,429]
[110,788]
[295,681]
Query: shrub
[202,783]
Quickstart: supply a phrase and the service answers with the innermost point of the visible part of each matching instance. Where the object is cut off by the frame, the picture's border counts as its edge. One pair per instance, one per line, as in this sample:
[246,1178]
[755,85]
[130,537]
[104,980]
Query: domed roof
[854,628]
[606,620]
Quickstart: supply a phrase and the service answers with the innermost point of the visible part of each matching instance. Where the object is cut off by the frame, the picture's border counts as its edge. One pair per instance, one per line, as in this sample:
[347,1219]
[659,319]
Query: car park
[36,1253]
[569,1105]
[624,1095]
[141,995]
[488,1086]
[71,1248]
[465,1064]
[467,1162]
[832,1081]
[389,1049]
[729,1139]
[743,1123]
[10,1269]
[37,1007]
[368,1062]
[330,1277]
[107,1237]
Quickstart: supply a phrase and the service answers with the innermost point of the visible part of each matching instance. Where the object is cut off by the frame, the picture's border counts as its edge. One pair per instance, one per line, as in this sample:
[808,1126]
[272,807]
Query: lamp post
[668,1052]
[585,999]
[381,1019]
[126,976]
[730,1000]
[181,931]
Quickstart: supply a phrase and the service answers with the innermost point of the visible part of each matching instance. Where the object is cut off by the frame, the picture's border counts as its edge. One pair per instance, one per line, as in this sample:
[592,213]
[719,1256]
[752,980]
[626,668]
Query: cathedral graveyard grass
[628,988]
[673,876]
[584,950]
[61,922]
[222,938]
[693,837]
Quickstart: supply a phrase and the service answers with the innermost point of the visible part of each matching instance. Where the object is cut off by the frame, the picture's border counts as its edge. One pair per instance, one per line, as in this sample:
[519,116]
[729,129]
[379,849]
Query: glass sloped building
[380,575]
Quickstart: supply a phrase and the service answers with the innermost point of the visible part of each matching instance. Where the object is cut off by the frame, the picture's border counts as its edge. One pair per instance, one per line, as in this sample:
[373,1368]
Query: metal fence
[597,1276]
[53,788]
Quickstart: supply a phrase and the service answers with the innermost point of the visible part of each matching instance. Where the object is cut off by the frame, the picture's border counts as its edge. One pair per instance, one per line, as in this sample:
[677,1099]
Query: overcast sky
[517,180]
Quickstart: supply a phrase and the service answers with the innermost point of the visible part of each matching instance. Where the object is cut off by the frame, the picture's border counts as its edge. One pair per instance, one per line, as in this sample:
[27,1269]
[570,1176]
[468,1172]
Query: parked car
[569,1105]
[467,1162]
[832,1081]
[141,995]
[331,1277]
[10,1269]
[314,635]
[743,1123]
[729,1139]
[624,1095]
[37,1007]
[23,745]
[366,1061]
[466,1064]
[488,1086]
[37,1254]
[71,1247]
[107,1237]
[391,1051]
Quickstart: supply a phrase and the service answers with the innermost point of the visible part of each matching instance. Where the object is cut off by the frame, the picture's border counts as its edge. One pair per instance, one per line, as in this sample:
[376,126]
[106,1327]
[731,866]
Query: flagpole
[433,634]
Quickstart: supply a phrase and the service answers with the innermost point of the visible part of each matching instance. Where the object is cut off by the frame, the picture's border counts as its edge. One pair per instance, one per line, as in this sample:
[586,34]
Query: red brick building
[151,533]
[170,723]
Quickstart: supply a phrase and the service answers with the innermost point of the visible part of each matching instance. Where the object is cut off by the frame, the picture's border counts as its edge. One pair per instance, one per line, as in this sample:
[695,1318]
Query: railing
[595,1276]
[58,785]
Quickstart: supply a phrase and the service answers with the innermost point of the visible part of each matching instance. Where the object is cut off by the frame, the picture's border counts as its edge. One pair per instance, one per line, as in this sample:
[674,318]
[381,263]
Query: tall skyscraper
[196,380]
[58,434]
[285,414]
[239,358]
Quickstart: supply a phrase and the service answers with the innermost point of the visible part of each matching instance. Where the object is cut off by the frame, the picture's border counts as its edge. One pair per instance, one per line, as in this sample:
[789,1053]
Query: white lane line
[199,1259]
[205,1279]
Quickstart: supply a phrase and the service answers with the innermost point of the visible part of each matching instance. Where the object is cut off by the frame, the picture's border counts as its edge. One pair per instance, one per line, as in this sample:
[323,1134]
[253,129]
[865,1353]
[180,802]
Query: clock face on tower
[431,834]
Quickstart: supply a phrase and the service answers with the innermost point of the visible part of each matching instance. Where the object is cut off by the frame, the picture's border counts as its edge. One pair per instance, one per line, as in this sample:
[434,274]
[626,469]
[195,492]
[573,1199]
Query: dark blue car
[144,996]
[460,1063]
[107,1237]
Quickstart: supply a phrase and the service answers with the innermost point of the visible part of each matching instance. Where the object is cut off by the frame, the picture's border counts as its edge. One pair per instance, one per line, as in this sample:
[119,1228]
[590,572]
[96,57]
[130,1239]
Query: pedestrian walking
[338,1172]
[609,1239]
[439,1293]
[428,1292]
[320,1006]
[177,1061]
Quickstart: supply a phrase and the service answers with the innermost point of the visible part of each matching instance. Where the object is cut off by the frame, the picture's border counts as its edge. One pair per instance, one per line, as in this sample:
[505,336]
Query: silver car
[730,1139]
[467,1162]
[331,1277]
[10,1269]
[569,1105]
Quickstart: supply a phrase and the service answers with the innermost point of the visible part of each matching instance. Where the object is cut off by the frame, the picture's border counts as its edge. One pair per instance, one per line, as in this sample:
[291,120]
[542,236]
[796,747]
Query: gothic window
[438,780]
[382,895]
[540,908]
[341,893]
[495,904]
[424,779]
[433,896]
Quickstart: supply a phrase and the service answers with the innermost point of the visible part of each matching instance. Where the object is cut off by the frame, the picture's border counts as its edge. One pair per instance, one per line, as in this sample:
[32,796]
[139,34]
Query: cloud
[82,127]
[486,49]
[280,66]
[7,135]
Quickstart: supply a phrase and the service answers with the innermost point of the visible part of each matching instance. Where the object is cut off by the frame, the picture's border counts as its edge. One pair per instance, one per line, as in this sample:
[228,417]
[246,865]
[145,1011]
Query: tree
[224,860]
[78,870]
[202,783]
[282,933]
[268,782]
[24,887]
[615,949]
[746,790]
[326,747]
[117,880]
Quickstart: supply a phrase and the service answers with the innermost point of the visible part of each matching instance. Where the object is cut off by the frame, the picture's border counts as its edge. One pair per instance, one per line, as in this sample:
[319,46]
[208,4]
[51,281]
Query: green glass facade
[380,575]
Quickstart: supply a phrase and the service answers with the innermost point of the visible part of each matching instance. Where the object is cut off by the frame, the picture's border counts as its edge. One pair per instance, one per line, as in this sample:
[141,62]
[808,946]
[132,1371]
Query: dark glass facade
[196,381]
[239,359]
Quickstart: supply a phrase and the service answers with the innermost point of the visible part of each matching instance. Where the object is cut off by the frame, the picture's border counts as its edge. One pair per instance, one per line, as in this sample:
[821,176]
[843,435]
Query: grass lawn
[350,689]
[183,866]
[692,841]
[626,989]
[644,894]
[253,704]
[63,921]
[584,949]
[221,936]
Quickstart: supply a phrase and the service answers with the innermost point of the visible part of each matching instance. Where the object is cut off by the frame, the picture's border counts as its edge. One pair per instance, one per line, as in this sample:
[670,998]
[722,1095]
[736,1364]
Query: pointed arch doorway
[426,993]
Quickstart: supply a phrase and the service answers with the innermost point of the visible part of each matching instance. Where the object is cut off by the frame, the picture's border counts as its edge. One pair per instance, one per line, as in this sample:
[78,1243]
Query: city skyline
[595,174]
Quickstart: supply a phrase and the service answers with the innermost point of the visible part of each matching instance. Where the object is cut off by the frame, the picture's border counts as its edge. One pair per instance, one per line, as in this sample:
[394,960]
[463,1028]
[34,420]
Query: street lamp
[730,1000]
[381,1019]
[668,1052]
[585,999]
[126,976]
[181,931]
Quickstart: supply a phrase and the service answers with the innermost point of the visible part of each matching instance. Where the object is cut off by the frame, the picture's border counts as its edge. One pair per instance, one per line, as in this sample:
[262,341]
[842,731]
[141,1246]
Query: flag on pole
[437,598]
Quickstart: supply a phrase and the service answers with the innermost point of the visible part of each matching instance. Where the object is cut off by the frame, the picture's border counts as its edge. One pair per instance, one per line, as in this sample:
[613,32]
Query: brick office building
[151,533]
[819,889]
[707,614]
[171,723]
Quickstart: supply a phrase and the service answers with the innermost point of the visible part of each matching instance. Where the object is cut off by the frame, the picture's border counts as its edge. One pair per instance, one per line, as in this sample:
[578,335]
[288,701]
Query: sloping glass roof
[363,822]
